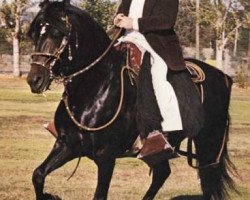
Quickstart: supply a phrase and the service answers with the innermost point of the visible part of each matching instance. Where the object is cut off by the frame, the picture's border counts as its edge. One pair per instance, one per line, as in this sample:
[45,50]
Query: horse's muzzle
[38,82]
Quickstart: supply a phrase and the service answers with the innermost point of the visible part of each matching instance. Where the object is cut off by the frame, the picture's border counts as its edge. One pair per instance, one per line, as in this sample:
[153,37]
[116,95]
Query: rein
[190,156]
[85,69]
[189,153]
[56,56]
[84,127]
[88,67]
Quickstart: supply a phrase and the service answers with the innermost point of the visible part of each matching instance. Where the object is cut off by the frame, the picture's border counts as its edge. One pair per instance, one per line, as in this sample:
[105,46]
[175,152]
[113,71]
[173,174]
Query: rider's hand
[118,18]
[123,21]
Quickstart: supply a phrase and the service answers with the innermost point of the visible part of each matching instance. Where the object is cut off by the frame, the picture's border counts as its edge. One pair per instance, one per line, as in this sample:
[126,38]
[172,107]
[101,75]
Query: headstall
[53,57]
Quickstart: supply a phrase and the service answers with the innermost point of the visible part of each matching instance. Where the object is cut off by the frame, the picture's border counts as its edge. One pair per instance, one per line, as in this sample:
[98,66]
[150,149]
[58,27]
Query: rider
[149,24]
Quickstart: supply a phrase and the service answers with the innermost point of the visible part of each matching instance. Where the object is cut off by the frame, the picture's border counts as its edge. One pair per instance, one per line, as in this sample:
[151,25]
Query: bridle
[53,58]
[50,62]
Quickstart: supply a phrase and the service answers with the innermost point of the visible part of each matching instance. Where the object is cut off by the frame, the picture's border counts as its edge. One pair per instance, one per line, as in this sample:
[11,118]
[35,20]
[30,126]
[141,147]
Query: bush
[241,77]
[102,11]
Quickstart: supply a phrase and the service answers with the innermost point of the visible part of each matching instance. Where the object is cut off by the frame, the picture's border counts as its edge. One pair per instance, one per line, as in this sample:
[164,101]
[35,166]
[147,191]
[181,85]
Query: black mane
[90,29]
[90,36]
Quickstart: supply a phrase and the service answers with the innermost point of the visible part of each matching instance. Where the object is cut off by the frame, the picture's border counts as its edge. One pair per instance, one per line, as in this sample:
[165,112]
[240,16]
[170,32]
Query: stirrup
[50,126]
[156,149]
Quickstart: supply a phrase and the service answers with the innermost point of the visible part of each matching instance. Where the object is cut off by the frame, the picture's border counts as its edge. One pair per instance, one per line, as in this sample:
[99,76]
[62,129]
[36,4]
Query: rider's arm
[163,17]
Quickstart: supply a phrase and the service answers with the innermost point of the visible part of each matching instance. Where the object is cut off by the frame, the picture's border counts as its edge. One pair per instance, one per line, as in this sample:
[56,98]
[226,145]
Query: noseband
[53,58]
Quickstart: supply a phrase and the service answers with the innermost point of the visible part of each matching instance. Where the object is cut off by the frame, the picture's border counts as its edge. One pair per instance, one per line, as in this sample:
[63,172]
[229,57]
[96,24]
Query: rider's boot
[51,128]
[160,146]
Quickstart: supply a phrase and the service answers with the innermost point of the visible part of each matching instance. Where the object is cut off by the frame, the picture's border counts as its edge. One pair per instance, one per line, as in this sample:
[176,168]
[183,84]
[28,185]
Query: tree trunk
[248,54]
[236,41]
[16,65]
[219,55]
[197,30]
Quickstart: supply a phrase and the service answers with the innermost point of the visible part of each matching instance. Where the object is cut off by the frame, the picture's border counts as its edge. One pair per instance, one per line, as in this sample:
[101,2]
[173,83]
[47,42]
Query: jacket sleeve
[163,16]
[119,7]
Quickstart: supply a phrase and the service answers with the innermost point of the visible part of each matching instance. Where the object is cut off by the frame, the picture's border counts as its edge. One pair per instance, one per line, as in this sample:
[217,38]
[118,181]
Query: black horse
[97,114]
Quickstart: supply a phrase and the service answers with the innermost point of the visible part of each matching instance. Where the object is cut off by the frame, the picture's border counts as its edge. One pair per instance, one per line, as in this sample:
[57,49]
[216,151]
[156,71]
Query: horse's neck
[93,83]
[94,94]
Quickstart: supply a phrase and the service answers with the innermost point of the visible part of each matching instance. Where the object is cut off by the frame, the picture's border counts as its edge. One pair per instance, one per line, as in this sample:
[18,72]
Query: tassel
[77,45]
[70,55]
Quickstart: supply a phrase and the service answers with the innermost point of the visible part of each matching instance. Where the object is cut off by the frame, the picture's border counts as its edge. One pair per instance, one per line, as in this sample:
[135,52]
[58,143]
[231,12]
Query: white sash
[163,90]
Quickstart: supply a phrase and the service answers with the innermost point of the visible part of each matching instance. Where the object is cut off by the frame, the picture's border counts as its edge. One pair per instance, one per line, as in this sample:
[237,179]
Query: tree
[197,30]
[12,13]
[224,17]
[101,10]
[247,25]
[186,22]
[185,25]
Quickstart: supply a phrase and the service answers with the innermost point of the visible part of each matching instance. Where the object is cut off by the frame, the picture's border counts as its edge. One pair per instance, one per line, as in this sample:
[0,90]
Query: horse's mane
[80,20]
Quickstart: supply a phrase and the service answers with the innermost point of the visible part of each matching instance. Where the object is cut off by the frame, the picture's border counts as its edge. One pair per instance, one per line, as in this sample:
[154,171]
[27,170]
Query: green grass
[24,144]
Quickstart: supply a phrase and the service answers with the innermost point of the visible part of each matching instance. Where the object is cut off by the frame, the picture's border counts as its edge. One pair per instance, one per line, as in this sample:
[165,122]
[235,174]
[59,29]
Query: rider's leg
[150,117]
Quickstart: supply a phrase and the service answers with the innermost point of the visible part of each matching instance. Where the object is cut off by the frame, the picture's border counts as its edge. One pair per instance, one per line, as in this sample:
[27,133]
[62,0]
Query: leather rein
[189,153]
[50,62]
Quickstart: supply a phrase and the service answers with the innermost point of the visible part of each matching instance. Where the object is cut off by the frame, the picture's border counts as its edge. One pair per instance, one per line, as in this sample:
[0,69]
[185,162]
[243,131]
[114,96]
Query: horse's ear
[66,2]
[44,3]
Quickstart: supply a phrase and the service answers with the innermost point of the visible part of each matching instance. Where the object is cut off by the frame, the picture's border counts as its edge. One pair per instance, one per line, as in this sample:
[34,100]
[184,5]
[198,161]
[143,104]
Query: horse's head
[66,39]
[50,32]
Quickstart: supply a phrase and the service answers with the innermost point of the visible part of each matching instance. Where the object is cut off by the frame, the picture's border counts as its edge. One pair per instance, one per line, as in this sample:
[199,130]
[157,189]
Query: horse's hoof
[51,197]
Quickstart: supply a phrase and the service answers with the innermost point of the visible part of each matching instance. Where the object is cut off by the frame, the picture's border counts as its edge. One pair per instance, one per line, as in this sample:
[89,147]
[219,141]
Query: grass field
[24,144]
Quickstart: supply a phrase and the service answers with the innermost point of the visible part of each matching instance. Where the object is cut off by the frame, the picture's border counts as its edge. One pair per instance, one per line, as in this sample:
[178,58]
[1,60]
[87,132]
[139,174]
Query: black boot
[156,149]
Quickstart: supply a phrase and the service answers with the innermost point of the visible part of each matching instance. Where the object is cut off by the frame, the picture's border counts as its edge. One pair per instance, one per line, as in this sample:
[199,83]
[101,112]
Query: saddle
[134,55]
[134,60]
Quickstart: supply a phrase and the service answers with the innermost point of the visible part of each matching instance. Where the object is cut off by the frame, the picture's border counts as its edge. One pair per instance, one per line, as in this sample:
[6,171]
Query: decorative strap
[84,127]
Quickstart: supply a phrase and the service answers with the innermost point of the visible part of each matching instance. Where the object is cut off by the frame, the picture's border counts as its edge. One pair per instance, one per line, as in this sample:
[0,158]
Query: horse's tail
[211,146]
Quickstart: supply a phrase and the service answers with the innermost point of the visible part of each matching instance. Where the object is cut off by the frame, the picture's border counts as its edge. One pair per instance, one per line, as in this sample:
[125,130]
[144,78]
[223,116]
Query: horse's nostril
[34,80]
[37,79]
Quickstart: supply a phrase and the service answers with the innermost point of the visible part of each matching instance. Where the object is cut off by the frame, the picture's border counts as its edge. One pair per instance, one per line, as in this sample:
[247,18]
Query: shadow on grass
[188,197]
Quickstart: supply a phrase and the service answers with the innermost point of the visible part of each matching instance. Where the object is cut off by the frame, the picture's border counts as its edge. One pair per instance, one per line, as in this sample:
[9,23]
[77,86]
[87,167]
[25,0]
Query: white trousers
[164,92]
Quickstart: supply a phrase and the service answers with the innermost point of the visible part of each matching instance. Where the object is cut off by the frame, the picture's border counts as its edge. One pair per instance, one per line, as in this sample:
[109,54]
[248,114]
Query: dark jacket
[157,25]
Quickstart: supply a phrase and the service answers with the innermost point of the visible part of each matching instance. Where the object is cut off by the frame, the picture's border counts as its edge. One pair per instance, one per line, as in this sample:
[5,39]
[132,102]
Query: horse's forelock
[52,13]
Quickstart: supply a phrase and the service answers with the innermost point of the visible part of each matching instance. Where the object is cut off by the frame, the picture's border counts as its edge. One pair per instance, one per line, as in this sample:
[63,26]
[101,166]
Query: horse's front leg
[59,155]
[105,172]
[161,172]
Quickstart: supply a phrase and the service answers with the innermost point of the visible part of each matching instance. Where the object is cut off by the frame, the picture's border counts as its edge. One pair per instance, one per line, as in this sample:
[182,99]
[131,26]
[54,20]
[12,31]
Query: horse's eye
[56,33]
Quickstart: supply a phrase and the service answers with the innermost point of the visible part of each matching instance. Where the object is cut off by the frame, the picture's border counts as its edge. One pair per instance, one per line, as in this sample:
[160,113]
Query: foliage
[101,10]
[223,18]
[241,77]
[7,13]
[218,20]
[186,22]
[3,33]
